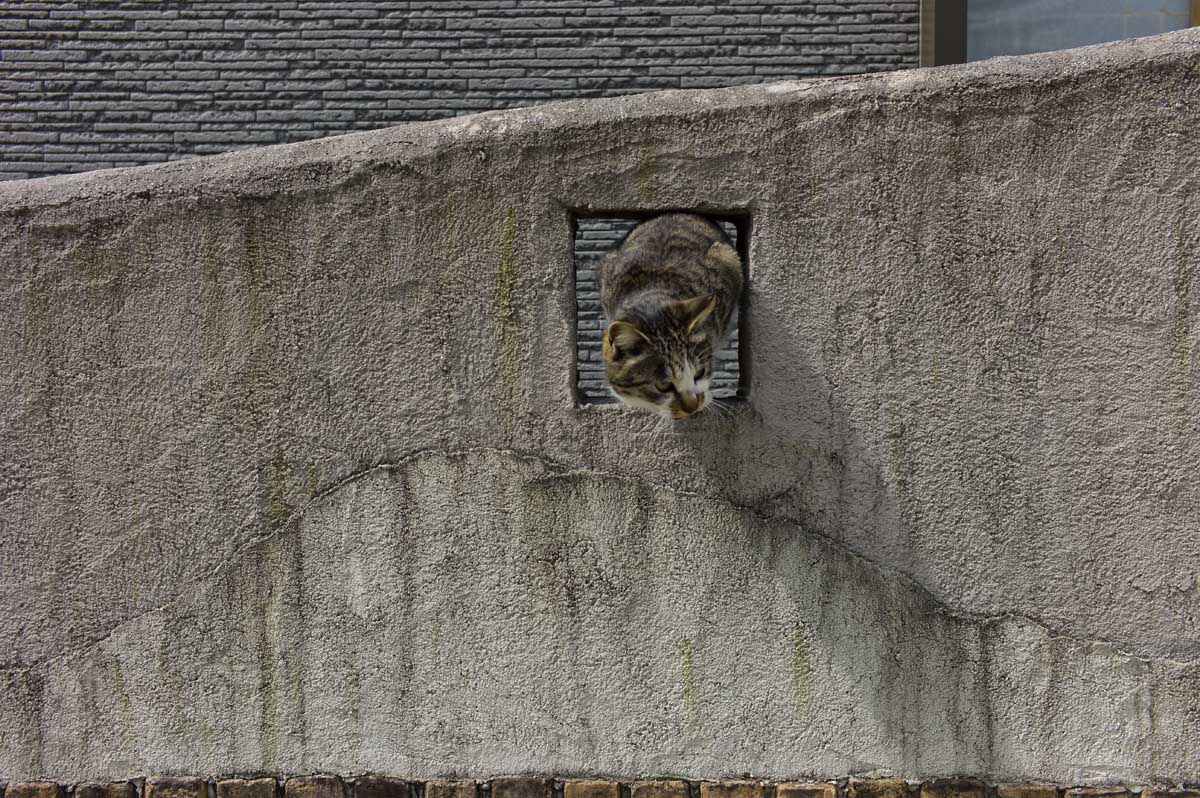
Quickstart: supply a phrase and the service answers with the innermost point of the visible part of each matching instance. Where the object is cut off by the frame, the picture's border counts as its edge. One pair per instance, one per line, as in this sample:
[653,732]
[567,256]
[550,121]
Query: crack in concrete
[564,471]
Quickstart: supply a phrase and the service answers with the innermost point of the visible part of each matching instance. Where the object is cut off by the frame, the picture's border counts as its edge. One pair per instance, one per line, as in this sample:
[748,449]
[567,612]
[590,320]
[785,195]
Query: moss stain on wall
[273,480]
[127,717]
[647,163]
[1181,321]
[354,687]
[687,668]
[801,669]
[507,326]
[899,461]
[268,725]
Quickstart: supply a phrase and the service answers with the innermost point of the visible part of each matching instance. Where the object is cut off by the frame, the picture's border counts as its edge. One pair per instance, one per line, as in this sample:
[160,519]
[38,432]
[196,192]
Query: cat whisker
[650,427]
[665,426]
[720,409]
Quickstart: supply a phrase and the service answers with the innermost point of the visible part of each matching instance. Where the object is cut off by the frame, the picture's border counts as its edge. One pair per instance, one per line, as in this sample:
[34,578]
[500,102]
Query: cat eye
[663,387]
[700,374]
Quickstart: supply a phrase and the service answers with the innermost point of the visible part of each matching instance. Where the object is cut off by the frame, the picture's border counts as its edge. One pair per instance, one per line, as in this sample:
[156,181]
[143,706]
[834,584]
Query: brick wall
[87,85]
[330,786]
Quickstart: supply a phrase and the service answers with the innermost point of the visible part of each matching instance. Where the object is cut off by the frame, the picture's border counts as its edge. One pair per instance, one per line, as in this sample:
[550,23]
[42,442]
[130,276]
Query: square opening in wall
[595,235]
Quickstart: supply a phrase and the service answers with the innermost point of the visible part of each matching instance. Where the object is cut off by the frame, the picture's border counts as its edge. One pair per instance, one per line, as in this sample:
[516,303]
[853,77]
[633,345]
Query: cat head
[662,359]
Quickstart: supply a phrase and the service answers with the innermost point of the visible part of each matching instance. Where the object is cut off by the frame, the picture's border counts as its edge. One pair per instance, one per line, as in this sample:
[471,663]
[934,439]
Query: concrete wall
[90,84]
[294,478]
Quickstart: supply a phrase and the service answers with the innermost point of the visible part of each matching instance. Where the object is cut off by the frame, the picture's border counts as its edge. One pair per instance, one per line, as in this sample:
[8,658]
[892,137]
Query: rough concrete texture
[286,490]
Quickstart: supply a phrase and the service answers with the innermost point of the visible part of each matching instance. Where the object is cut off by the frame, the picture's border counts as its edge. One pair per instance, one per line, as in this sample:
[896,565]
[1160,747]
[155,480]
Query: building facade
[90,85]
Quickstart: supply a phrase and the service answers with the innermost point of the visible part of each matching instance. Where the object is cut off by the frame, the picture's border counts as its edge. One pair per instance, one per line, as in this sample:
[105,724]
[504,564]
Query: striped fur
[670,291]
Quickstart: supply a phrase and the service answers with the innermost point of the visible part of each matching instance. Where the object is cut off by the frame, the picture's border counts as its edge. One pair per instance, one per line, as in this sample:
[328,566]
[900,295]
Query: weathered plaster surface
[490,611]
[953,531]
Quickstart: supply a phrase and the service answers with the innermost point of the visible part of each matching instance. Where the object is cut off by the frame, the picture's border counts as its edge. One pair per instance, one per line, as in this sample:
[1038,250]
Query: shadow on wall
[818,471]
[943,689]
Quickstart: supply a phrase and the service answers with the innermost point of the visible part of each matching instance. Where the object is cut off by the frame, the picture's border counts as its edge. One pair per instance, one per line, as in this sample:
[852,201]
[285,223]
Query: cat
[670,291]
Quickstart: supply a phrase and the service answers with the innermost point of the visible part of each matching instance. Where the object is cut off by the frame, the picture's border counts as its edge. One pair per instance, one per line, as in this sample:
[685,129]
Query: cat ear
[622,338]
[695,311]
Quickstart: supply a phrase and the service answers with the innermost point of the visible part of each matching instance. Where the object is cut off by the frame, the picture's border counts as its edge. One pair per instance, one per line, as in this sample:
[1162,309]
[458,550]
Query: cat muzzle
[685,406]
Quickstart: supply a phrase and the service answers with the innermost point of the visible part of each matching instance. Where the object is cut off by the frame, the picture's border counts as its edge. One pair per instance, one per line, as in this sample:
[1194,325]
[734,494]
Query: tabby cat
[670,291]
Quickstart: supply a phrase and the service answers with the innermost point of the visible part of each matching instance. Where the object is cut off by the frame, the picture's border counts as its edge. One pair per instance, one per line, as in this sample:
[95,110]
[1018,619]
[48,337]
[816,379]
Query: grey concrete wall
[90,84]
[294,478]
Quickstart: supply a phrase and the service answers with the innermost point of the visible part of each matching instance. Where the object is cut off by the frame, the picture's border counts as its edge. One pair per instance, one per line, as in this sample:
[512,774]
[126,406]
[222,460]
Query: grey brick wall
[87,85]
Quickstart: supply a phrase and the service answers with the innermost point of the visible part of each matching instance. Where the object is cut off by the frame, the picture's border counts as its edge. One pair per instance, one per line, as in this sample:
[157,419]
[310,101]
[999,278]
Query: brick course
[591,789]
[522,788]
[369,786]
[89,85]
[380,787]
[246,788]
[451,789]
[319,786]
[659,788]
[953,788]
[877,788]
[805,790]
[115,789]
[1026,791]
[34,789]
[733,789]
[175,788]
